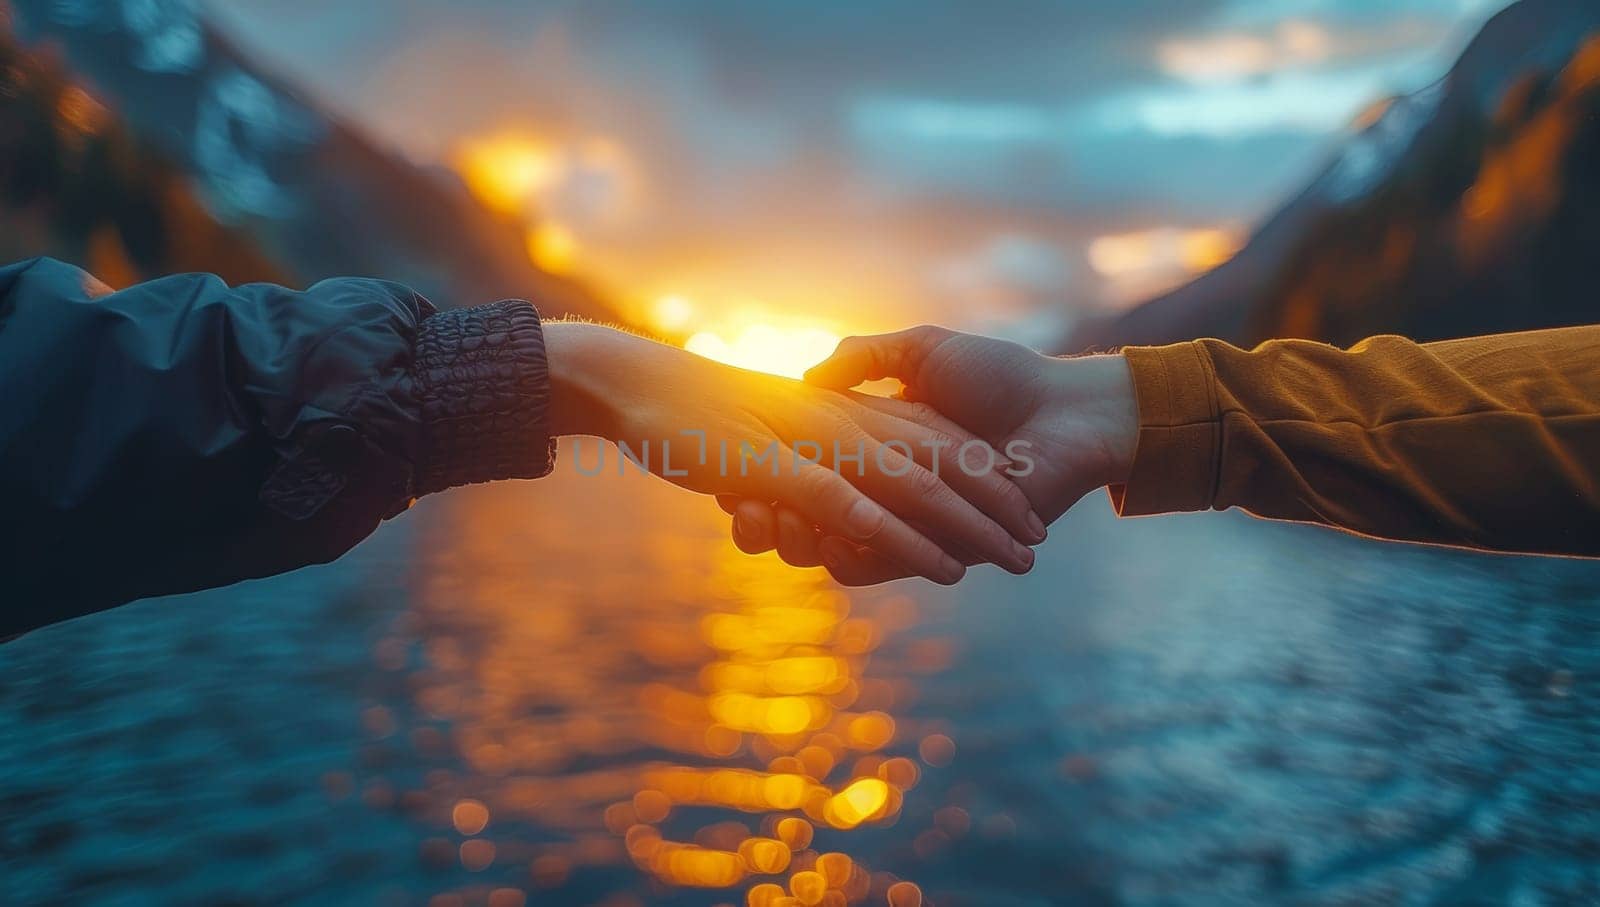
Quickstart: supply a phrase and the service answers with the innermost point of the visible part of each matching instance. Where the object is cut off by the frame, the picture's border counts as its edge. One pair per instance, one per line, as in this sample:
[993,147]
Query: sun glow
[724,326]
[552,247]
[672,312]
[786,351]
[579,199]
[506,170]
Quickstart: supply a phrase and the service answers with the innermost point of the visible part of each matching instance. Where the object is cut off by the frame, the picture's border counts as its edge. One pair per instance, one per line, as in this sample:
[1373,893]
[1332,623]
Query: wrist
[1091,400]
[585,371]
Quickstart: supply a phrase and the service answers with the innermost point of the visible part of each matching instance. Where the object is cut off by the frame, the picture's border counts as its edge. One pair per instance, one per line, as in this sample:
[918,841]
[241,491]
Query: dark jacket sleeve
[182,434]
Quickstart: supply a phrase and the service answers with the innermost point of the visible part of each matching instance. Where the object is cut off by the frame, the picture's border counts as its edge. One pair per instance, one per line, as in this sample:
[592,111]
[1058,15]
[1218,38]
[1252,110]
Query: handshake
[987,444]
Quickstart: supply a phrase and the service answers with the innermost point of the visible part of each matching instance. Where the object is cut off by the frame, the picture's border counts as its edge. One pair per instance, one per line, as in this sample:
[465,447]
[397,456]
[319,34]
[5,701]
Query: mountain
[1471,206]
[77,185]
[315,195]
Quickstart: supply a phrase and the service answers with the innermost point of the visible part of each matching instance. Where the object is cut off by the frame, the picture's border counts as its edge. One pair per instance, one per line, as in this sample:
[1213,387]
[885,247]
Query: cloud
[1232,56]
[839,154]
[1293,45]
[1298,74]
[1138,264]
[1010,271]
[1310,103]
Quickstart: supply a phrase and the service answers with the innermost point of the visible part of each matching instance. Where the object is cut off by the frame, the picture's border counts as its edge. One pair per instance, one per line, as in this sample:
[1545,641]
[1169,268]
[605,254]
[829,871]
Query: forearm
[183,434]
[1489,442]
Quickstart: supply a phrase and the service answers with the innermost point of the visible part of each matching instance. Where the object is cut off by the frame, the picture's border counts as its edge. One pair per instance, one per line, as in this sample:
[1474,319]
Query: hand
[1073,423]
[720,430]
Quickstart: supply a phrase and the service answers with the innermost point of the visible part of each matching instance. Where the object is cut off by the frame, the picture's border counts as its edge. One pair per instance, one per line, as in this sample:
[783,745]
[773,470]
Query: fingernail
[1023,557]
[864,519]
[1036,526]
[741,525]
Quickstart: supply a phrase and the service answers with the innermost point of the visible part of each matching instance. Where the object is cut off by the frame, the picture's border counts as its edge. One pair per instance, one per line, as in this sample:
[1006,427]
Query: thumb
[859,359]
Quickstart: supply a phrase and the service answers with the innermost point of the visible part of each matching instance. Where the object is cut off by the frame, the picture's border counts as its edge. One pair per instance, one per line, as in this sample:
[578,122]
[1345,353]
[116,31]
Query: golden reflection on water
[587,692]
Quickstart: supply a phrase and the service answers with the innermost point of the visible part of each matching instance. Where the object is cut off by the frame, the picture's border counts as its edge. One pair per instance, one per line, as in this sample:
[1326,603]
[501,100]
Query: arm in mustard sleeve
[1488,442]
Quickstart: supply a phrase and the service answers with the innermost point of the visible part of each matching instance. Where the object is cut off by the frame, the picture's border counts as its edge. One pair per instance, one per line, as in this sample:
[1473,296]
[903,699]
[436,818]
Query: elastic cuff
[1175,464]
[484,387]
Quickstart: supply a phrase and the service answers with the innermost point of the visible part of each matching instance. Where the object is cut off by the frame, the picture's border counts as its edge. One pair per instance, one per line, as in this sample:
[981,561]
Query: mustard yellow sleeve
[1489,442]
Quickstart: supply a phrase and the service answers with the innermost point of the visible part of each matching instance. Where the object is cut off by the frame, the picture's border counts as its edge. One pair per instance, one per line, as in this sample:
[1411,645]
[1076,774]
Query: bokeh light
[775,759]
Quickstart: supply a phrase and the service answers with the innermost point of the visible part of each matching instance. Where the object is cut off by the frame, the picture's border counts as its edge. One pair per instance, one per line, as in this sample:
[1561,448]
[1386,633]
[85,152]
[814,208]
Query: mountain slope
[77,185]
[1472,206]
[314,192]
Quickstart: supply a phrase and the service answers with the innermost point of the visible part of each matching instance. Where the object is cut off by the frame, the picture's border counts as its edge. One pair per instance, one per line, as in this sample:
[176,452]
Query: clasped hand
[990,442]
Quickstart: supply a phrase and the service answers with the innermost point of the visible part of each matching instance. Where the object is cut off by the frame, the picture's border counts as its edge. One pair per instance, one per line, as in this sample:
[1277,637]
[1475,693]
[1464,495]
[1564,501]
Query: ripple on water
[576,689]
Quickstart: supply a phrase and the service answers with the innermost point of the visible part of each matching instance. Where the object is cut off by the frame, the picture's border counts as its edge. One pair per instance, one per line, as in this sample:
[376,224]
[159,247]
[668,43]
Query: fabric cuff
[1180,432]
[484,389]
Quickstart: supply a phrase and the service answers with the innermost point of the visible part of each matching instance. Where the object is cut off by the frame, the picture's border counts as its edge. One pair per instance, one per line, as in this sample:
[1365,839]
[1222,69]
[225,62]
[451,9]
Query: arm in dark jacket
[182,434]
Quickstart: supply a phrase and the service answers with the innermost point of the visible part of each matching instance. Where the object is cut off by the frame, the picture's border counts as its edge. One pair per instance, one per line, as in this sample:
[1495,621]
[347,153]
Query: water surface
[576,691]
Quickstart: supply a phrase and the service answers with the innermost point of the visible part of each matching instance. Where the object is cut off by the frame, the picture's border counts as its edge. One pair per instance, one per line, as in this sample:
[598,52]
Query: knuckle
[949,447]
[841,410]
[924,484]
[817,484]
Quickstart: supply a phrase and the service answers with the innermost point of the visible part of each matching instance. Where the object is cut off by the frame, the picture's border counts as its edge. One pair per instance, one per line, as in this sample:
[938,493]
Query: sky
[853,166]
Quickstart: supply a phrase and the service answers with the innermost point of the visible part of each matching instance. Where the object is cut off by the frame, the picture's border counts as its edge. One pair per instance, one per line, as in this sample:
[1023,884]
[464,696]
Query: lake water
[576,692]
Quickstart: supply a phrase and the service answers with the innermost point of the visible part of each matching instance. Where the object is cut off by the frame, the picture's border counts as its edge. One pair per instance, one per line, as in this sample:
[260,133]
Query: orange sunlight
[517,173]
[1138,264]
[754,340]
[730,730]
[552,247]
[787,350]
[506,170]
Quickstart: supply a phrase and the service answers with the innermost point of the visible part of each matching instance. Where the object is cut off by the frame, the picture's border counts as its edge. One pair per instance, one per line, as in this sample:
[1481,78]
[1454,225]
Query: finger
[754,526]
[852,565]
[753,533]
[797,539]
[855,565]
[915,493]
[828,501]
[859,359]
[754,523]
[954,549]
[968,464]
